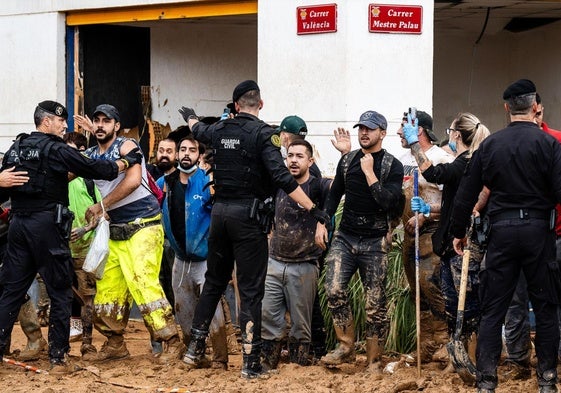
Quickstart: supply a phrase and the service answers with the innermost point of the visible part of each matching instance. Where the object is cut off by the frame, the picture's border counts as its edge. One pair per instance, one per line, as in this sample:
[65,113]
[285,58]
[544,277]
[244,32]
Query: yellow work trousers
[131,273]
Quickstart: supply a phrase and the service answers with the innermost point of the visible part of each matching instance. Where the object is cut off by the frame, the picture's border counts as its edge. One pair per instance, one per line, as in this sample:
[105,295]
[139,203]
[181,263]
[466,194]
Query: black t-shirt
[366,207]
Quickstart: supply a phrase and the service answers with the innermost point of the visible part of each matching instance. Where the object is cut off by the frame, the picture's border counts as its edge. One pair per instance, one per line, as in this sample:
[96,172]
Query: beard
[106,138]
[186,165]
[165,165]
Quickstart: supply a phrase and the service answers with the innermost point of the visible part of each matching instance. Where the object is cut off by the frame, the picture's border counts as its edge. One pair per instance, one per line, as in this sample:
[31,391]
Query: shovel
[458,354]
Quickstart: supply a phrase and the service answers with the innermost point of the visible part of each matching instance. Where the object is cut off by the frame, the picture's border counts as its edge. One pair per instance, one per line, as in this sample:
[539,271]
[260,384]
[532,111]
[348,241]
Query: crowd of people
[245,206]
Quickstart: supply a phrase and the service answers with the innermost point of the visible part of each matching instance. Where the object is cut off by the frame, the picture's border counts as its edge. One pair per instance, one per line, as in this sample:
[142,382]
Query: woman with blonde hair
[465,135]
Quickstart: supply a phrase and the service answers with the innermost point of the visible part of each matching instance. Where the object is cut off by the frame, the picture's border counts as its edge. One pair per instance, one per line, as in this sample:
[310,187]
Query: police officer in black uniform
[41,223]
[521,165]
[247,167]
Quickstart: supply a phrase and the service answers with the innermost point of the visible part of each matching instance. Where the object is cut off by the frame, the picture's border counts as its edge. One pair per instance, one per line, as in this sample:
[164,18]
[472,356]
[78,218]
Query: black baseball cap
[108,110]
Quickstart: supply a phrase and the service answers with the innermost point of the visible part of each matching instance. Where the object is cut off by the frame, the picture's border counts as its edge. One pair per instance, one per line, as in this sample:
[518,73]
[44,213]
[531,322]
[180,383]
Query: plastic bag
[99,250]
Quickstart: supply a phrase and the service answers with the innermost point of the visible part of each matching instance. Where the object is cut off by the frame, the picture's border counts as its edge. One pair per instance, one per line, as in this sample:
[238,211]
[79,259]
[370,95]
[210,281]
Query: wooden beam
[161,12]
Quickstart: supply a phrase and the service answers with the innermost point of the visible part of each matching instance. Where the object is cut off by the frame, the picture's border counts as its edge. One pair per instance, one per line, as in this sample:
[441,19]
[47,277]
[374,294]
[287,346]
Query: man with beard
[293,270]
[131,271]
[371,179]
[165,159]
[40,225]
[186,216]
[434,333]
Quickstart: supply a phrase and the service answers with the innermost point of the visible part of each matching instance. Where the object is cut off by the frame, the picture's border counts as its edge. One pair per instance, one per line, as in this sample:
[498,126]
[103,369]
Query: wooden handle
[463,281]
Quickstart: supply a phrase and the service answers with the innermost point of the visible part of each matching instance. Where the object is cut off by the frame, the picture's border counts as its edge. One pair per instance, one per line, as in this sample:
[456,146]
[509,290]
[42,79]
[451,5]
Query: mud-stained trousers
[87,289]
[292,287]
[188,279]
[348,254]
[132,272]
[450,276]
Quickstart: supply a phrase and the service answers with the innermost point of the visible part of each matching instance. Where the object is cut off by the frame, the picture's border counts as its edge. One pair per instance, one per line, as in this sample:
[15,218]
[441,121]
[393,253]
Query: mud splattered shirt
[293,237]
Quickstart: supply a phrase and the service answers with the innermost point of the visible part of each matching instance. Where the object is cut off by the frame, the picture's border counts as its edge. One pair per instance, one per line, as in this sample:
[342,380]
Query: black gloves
[321,216]
[133,157]
[187,113]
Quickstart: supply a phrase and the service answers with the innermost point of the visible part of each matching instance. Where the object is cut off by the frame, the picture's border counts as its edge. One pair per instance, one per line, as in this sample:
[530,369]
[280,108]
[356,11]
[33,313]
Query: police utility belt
[126,230]
[525,214]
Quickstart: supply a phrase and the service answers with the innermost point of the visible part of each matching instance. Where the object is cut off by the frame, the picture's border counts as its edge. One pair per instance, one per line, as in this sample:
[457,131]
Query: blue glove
[411,130]
[420,206]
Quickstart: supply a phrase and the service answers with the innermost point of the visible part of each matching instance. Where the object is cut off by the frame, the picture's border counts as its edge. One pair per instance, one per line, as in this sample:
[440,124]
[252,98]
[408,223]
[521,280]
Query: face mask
[452,146]
[284,152]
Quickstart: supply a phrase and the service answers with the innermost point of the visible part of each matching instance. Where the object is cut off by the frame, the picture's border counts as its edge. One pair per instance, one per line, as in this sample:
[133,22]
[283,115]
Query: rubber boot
[319,334]
[270,354]
[373,355]
[345,352]
[32,329]
[251,366]
[195,356]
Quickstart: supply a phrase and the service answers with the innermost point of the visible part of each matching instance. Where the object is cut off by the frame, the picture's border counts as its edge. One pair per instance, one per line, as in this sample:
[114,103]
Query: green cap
[294,125]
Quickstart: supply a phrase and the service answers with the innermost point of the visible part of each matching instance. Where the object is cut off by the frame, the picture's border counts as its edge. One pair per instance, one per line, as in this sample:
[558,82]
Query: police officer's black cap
[519,88]
[108,110]
[243,88]
[54,108]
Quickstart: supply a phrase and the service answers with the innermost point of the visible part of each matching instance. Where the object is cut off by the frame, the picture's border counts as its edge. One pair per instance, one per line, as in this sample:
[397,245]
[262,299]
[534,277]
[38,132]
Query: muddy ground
[140,373]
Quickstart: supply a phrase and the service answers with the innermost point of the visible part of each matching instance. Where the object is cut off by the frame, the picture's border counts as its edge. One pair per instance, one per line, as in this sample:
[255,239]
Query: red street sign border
[394,32]
[315,6]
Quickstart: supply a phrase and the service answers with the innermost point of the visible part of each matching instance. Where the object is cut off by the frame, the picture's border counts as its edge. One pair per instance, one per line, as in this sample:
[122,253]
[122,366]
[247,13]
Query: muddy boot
[114,348]
[302,354]
[31,328]
[251,365]
[172,349]
[270,354]
[62,366]
[89,352]
[195,356]
[345,352]
[373,355]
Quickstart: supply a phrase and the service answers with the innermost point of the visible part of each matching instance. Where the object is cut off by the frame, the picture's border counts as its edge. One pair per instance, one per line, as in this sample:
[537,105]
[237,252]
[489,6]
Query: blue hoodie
[198,206]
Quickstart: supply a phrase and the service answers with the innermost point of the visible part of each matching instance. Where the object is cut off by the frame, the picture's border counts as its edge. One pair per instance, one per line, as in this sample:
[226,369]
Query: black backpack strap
[347,159]
[90,187]
[387,162]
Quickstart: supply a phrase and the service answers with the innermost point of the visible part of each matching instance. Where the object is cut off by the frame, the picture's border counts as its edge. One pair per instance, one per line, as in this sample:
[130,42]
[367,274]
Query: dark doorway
[115,61]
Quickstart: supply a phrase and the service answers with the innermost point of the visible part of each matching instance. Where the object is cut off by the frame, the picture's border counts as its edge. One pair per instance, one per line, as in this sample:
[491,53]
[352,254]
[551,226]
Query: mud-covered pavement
[140,373]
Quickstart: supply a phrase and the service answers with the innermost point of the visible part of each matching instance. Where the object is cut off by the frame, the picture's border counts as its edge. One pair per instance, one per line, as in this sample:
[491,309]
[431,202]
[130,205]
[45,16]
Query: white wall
[469,78]
[330,79]
[198,65]
[32,69]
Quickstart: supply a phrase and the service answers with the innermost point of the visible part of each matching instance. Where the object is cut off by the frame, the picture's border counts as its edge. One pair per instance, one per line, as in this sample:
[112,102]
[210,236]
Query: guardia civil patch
[275,140]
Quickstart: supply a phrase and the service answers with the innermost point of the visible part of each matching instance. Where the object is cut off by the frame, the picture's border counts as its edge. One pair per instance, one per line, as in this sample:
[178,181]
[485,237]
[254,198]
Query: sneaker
[33,351]
[112,352]
[248,373]
[173,349]
[75,329]
[194,362]
[89,352]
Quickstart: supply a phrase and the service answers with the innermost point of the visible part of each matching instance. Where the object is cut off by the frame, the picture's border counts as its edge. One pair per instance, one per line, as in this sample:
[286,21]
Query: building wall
[330,79]
[32,69]
[473,78]
[198,65]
